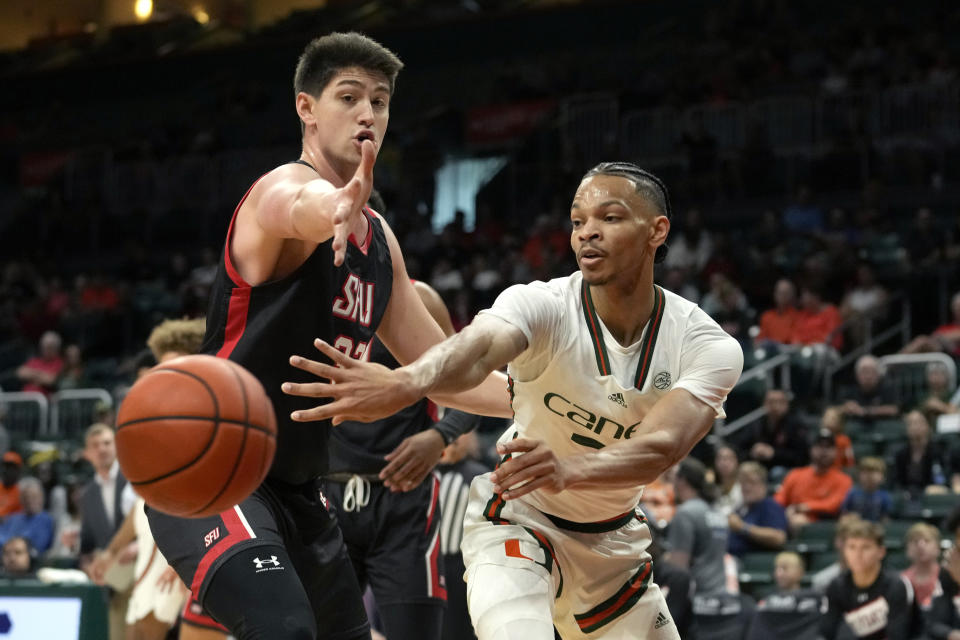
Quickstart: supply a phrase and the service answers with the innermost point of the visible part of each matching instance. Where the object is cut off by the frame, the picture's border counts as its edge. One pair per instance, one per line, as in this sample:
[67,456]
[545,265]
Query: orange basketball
[196,435]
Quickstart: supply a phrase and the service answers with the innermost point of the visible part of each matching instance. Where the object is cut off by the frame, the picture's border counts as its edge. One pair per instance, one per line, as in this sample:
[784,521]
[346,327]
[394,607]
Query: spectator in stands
[726,303]
[788,571]
[923,241]
[17,558]
[697,535]
[33,523]
[106,500]
[871,398]
[923,550]
[818,322]
[943,617]
[918,466]
[863,300]
[678,281]
[873,603]
[658,501]
[725,465]
[833,419]
[778,439]
[74,374]
[761,523]
[40,372]
[12,467]
[868,499]
[935,401]
[777,324]
[692,247]
[822,578]
[816,491]
[945,338]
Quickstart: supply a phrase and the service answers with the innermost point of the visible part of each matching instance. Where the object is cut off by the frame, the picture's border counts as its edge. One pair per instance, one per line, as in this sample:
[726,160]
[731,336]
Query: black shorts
[394,541]
[276,514]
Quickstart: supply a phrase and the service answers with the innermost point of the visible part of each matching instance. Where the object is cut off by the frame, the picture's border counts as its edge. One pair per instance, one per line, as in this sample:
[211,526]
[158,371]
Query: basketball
[196,435]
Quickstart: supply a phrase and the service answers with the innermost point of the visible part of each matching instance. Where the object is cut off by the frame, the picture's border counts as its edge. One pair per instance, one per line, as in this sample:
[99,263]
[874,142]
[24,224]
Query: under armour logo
[271,560]
[618,398]
[662,620]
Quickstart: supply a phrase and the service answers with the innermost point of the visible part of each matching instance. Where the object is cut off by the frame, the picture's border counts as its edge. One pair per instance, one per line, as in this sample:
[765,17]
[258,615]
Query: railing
[763,371]
[26,414]
[870,340]
[73,411]
[908,385]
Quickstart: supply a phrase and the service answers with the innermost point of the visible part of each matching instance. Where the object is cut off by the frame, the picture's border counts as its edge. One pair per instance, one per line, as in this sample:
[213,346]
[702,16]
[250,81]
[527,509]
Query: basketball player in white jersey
[614,380]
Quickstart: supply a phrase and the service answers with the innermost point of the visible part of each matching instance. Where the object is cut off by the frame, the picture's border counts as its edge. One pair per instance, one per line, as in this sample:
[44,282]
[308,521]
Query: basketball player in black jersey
[388,506]
[304,260]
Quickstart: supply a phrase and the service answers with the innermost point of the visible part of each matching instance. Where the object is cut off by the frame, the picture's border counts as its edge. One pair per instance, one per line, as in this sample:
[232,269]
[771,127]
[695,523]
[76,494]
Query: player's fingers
[523,475]
[339,358]
[323,412]
[368,155]
[396,462]
[319,369]
[515,465]
[515,445]
[533,485]
[309,389]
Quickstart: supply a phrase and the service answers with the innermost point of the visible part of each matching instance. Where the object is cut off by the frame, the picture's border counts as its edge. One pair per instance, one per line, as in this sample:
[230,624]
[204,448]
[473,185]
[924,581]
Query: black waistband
[603,526]
[345,476]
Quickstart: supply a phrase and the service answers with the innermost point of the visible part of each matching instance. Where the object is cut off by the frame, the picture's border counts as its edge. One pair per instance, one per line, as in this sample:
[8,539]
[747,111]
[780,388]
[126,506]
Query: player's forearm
[461,362]
[634,462]
[665,436]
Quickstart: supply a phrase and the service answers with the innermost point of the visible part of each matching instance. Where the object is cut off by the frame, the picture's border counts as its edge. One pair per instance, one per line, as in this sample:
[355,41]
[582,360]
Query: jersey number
[356,350]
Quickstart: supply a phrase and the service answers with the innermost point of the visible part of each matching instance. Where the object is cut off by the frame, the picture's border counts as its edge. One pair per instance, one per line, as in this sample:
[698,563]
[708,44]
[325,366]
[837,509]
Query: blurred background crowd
[812,151]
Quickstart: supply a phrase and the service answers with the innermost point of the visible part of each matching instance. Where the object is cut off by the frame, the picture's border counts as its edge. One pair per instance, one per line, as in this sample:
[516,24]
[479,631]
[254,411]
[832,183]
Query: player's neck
[624,310]
[311,154]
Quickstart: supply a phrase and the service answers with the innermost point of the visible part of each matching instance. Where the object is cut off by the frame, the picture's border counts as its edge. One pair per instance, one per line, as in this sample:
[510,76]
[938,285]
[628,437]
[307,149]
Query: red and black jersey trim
[602,526]
[617,604]
[596,335]
[649,338]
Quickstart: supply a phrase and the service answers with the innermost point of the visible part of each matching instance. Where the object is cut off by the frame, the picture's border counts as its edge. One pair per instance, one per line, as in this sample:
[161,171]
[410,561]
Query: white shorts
[601,573]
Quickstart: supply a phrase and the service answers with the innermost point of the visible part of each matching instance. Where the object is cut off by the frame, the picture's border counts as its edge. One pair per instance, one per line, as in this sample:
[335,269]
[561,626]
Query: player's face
[614,229]
[862,554]
[922,549]
[355,105]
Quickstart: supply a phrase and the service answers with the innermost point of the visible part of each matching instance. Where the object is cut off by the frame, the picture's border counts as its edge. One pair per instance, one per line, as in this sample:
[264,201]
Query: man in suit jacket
[105,502]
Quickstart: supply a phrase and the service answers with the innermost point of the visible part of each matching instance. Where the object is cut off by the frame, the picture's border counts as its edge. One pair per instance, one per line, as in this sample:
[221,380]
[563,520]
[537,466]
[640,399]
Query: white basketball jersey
[577,389]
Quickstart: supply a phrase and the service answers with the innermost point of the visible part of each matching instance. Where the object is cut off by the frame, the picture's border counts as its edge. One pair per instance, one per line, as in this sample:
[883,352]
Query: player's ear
[304,103]
[659,230]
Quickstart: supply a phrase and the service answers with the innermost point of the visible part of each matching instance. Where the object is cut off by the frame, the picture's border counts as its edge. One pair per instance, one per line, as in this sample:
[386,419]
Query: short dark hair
[648,185]
[323,57]
[694,473]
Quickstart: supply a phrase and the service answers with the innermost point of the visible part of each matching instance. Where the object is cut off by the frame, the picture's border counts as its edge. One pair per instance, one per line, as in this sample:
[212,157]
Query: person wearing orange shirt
[817,321]
[817,491]
[10,487]
[777,324]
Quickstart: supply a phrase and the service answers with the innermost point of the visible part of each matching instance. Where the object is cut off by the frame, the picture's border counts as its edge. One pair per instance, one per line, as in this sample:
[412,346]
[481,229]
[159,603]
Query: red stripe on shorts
[236,532]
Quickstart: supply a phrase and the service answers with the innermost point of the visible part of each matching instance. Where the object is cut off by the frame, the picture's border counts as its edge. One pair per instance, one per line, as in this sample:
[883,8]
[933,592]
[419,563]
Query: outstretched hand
[361,391]
[350,200]
[538,468]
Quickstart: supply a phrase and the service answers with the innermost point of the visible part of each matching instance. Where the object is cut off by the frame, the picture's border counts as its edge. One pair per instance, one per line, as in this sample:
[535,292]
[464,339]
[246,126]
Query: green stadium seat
[820,561]
[936,506]
[894,532]
[815,537]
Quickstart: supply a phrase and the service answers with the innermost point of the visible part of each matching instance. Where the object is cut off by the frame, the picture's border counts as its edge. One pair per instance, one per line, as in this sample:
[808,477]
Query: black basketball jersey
[359,447]
[261,326]
[885,610]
